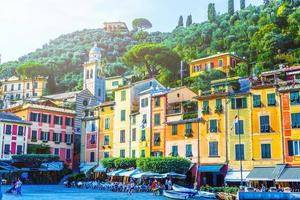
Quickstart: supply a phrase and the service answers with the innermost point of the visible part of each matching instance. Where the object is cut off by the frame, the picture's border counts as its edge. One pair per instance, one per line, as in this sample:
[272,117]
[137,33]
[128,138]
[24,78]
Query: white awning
[116,173]
[235,176]
[130,173]
[85,168]
[100,168]
[53,166]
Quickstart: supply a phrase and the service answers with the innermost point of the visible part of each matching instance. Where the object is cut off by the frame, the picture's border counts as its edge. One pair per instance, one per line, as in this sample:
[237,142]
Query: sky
[26,25]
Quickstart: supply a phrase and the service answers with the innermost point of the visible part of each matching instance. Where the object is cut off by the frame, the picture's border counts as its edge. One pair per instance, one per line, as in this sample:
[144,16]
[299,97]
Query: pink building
[51,125]
[13,135]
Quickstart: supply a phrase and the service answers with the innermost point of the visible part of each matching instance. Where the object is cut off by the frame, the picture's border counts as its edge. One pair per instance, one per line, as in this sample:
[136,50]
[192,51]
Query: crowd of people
[150,185]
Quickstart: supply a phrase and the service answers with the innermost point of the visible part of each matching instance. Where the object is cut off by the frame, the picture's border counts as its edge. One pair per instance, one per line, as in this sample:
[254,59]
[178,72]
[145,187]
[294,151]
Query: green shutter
[291,148]
[244,102]
[232,103]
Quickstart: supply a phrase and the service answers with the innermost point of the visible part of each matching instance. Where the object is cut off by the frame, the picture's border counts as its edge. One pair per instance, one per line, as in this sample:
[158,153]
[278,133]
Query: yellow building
[112,83]
[266,126]
[106,127]
[16,89]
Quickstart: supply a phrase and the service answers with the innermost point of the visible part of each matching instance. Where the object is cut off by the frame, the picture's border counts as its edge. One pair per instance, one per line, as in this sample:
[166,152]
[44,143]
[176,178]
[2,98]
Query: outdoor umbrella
[174,175]
[116,173]
[147,175]
[131,173]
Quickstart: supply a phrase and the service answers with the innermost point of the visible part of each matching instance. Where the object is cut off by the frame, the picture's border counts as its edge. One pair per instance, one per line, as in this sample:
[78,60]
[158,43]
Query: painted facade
[221,61]
[13,135]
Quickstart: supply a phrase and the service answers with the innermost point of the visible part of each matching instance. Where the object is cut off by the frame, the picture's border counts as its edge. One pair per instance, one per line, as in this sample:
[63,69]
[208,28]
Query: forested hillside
[265,35]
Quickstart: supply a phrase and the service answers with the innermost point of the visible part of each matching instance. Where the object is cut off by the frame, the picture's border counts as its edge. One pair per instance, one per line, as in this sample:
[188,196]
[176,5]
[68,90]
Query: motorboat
[175,195]
[206,195]
[181,189]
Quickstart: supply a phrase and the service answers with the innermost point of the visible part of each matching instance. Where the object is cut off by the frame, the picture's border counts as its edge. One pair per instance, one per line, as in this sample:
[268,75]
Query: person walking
[154,187]
[18,186]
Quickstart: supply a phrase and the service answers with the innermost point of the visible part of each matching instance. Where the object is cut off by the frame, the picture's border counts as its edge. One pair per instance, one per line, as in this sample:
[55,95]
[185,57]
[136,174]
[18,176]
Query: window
[237,103]
[256,101]
[294,98]
[92,156]
[271,99]
[93,126]
[69,121]
[18,96]
[19,149]
[294,148]
[56,151]
[144,121]
[99,92]
[107,123]
[123,113]
[68,155]
[58,120]
[46,118]
[156,139]
[157,101]
[143,153]
[122,136]
[213,128]
[239,127]
[12,87]
[264,124]
[106,154]
[68,138]
[144,102]
[213,149]
[133,153]
[93,139]
[205,108]
[19,86]
[233,63]
[115,83]
[91,73]
[143,135]
[239,151]
[133,138]
[122,153]
[157,119]
[295,120]
[28,86]
[207,67]
[20,130]
[87,75]
[6,149]
[188,129]
[123,95]
[34,117]
[174,129]
[33,135]
[220,62]
[175,150]
[8,129]
[27,95]
[106,140]
[45,136]
[133,119]
[219,104]
[188,150]
[56,137]
[5,88]
[265,151]
[35,94]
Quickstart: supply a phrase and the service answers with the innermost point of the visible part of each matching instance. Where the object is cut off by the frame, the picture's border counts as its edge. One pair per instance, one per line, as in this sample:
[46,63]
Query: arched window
[87,74]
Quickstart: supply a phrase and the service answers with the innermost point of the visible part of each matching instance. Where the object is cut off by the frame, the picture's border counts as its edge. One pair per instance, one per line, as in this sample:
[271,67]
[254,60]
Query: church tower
[93,74]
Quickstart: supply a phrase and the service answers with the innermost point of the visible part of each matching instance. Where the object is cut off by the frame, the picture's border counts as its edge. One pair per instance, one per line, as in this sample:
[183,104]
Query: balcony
[190,115]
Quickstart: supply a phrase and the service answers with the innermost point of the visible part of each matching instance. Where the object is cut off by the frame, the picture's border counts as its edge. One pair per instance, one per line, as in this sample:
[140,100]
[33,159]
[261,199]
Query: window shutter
[31,116]
[291,148]
[232,103]
[54,137]
[244,102]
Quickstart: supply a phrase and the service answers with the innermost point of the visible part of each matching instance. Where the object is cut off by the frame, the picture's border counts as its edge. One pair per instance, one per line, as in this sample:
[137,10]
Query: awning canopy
[52,166]
[85,168]
[174,175]
[290,174]
[131,173]
[235,176]
[6,168]
[116,173]
[100,168]
[261,174]
[210,168]
[147,175]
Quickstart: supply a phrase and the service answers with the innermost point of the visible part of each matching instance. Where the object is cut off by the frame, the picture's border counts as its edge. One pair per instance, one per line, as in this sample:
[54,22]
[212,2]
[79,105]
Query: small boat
[206,195]
[179,188]
[175,195]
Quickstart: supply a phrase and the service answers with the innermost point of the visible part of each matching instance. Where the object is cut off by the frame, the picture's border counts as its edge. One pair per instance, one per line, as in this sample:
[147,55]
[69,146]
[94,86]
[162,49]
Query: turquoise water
[53,192]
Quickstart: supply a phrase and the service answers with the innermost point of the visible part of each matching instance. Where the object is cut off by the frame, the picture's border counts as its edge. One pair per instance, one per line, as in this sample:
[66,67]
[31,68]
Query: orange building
[220,61]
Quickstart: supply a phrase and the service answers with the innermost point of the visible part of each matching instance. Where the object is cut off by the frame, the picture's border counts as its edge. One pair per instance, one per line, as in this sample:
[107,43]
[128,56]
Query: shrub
[125,163]
[108,163]
[35,160]
[76,177]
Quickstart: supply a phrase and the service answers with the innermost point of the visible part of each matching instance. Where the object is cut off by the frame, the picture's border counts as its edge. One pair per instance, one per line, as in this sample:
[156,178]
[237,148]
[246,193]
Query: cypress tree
[242,4]
[189,21]
[180,21]
[211,12]
[230,7]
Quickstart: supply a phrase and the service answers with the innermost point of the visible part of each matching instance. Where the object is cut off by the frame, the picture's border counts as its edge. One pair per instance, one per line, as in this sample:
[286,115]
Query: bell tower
[93,74]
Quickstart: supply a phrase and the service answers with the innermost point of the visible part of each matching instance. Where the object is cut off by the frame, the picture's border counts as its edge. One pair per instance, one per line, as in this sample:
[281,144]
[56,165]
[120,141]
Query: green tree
[141,24]
[242,4]
[32,70]
[230,7]
[152,58]
[211,13]
[189,21]
[180,21]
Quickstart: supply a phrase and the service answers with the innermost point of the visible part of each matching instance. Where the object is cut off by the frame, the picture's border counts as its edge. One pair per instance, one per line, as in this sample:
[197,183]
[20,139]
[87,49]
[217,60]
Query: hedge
[108,163]
[125,163]
[35,160]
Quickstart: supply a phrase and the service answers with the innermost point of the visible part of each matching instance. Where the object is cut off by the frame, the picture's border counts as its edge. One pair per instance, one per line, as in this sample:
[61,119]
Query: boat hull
[175,195]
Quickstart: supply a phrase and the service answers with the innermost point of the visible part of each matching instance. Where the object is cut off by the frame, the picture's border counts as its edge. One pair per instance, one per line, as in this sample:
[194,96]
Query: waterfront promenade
[53,192]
